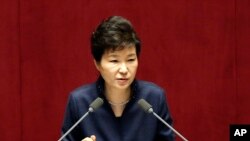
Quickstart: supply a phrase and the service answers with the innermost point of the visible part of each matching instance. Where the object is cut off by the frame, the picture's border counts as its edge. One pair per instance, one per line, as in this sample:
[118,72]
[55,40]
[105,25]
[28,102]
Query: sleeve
[164,133]
[70,118]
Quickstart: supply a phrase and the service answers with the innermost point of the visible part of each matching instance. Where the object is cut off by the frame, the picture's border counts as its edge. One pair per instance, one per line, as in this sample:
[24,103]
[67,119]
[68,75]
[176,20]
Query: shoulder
[149,90]
[80,98]
[147,86]
[85,92]
[152,93]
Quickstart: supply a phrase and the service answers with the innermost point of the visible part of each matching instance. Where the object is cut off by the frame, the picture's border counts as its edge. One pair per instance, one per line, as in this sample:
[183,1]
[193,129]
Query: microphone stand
[90,110]
[175,131]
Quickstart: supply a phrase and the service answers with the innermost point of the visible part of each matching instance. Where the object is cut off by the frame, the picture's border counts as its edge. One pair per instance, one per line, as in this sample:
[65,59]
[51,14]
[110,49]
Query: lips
[122,81]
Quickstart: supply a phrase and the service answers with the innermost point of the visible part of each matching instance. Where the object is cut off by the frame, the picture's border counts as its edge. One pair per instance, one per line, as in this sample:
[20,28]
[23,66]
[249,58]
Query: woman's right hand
[91,138]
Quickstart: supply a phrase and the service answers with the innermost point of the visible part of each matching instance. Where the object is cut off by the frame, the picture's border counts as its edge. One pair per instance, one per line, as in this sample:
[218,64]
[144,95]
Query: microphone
[148,109]
[92,107]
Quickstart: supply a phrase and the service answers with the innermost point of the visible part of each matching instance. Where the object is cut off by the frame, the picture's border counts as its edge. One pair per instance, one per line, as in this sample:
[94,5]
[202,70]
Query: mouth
[122,81]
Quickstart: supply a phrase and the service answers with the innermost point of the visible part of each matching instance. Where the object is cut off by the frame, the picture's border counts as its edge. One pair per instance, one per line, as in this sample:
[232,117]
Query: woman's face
[118,68]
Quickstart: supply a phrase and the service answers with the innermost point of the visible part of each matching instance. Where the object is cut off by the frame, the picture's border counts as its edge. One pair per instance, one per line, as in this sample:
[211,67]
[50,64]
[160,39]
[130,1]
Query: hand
[91,138]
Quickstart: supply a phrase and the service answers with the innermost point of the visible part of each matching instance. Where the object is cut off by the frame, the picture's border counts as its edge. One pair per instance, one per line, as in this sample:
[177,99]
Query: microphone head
[145,106]
[95,104]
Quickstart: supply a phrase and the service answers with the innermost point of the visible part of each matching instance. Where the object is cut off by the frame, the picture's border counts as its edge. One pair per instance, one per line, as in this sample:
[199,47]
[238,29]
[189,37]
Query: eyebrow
[115,55]
[132,54]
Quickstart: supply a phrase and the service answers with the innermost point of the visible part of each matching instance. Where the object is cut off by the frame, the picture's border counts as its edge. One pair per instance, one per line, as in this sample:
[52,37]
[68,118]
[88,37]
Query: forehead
[124,50]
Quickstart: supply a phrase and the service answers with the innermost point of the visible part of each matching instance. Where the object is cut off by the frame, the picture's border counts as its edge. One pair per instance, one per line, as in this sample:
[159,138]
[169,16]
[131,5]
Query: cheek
[134,67]
[108,69]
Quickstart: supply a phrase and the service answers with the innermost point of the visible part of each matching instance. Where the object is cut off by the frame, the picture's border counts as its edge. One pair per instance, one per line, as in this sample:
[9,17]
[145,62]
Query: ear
[97,65]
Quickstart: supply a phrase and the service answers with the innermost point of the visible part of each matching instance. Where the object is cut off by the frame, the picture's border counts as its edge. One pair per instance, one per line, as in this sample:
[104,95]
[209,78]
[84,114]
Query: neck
[117,96]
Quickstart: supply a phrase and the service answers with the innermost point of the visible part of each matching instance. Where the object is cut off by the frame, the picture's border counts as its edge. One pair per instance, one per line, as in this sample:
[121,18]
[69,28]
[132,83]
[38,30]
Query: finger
[93,137]
[87,139]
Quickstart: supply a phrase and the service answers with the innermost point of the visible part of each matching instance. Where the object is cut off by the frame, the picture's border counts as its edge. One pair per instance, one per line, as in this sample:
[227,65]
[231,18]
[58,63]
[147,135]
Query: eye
[131,60]
[113,61]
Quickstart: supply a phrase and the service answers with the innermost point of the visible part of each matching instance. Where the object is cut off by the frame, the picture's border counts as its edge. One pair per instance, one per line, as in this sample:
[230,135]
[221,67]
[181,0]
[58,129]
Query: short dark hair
[113,33]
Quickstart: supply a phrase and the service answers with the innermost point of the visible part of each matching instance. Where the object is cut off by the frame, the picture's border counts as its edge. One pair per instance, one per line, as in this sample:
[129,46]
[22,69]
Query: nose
[123,68]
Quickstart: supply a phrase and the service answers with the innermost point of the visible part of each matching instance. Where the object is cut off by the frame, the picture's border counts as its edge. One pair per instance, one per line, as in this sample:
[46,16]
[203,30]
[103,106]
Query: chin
[123,86]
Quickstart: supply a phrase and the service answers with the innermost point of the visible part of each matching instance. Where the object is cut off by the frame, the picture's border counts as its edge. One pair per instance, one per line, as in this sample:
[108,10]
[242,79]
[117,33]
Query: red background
[197,50]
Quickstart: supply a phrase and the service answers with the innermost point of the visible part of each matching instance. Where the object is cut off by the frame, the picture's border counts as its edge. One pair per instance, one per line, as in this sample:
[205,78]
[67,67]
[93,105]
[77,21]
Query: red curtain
[197,50]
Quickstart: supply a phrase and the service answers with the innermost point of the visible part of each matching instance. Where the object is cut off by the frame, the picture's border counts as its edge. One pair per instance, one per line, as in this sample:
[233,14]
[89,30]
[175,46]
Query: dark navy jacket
[133,125]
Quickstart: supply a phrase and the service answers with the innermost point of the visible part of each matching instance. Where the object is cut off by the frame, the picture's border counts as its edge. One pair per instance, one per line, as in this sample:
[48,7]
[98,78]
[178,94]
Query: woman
[116,48]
